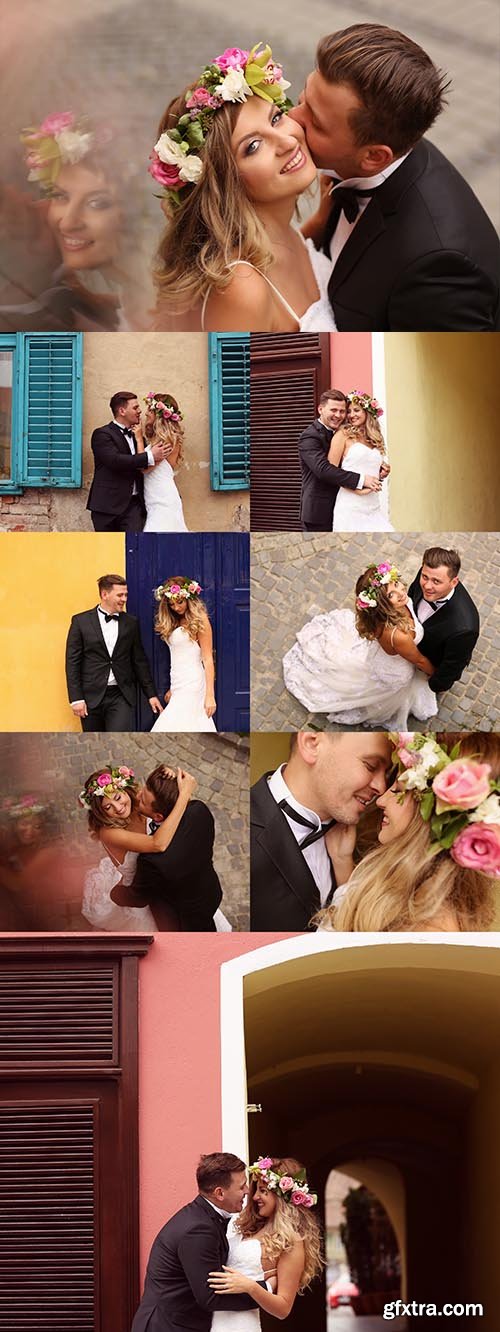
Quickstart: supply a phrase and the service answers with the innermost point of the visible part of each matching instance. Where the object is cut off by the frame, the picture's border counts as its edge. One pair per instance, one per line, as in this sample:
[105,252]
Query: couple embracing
[346,435]
[399,240]
[238,1247]
[393,655]
[133,488]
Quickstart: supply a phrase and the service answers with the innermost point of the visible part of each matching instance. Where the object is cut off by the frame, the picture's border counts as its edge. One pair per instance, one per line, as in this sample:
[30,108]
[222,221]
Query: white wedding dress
[360,513]
[331,669]
[98,906]
[185,711]
[245,1255]
[163,503]
[318,318]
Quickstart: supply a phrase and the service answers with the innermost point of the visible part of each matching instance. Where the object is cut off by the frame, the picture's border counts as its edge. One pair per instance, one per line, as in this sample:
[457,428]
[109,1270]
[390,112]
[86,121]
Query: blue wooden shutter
[229,355]
[52,433]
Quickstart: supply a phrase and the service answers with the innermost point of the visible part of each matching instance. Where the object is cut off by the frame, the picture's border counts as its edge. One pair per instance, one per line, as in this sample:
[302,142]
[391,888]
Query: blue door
[221,563]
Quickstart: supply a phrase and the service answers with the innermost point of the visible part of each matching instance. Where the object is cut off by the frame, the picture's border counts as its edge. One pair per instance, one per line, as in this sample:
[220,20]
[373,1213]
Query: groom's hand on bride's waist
[385,468]
[372,483]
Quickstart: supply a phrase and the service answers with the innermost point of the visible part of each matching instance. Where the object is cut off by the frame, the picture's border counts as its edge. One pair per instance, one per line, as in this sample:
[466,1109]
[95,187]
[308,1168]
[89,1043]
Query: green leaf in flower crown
[194,134]
[451,830]
[455,752]
[427,805]
[175,135]
[183,121]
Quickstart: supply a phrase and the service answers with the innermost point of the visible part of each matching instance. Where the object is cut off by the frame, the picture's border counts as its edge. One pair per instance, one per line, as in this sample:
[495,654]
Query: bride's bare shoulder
[245,304]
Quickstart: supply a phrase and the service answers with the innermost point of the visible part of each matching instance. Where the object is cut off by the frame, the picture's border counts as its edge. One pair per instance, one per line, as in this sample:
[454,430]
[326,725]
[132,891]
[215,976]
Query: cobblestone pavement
[295,576]
[123,62]
[219,762]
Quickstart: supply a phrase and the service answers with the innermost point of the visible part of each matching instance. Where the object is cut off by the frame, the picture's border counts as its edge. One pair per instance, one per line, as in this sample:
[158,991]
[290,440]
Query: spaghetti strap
[246,264]
[118,863]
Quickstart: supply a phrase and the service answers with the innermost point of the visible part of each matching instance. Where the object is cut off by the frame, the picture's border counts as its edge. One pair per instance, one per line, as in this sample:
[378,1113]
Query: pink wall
[179,1069]
[351,358]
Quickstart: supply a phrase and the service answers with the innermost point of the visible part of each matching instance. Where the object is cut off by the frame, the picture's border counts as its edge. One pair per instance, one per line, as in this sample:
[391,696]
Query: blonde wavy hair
[404,885]
[166,432]
[369,433]
[97,818]
[289,1224]
[214,223]
[193,619]
[371,621]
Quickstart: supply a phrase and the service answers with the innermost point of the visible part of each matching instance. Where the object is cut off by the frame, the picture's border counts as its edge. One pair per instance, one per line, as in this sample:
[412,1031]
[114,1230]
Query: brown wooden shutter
[288,373]
[68,1132]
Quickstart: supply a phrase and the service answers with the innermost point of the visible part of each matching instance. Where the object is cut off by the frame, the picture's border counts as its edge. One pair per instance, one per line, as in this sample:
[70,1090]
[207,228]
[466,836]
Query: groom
[411,246]
[448,614]
[321,480]
[190,1245]
[116,496]
[105,660]
[328,779]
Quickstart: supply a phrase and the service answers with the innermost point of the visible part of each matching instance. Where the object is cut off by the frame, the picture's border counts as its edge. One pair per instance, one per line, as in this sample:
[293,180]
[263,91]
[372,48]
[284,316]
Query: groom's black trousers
[112,714]
[132,520]
[315,527]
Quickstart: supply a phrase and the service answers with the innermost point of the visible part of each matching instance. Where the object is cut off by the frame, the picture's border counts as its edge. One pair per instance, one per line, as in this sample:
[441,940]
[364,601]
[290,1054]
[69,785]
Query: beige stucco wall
[442,421]
[168,362]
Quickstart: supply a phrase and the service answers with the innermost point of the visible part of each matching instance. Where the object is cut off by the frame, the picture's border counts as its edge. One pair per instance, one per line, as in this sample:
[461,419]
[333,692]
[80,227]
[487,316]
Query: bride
[110,796]
[163,425]
[364,667]
[359,445]
[437,865]
[275,1233]
[183,624]
[232,164]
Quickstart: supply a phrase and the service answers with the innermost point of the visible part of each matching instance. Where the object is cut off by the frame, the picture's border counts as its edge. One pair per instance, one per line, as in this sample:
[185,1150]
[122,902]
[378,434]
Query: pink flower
[300,1198]
[201,97]
[232,58]
[409,760]
[174,589]
[54,124]
[286,1183]
[384,568]
[405,737]
[126,772]
[166,175]
[194,587]
[477,847]
[104,779]
[462,784]
[265,1162]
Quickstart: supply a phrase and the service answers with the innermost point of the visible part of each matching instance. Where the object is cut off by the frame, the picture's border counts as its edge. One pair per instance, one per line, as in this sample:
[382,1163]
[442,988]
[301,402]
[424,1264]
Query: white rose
[234,87]
[191,169]
[283,84]
[488,812]
[169,151]
[73,145]
[414,779]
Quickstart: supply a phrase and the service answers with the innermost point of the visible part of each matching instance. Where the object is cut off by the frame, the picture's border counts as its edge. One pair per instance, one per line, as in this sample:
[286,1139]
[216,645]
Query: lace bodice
[98,906]
[245,1255]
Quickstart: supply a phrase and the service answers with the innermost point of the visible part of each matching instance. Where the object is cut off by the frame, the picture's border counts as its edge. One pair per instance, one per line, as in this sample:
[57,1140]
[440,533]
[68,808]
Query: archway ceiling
[390,1092]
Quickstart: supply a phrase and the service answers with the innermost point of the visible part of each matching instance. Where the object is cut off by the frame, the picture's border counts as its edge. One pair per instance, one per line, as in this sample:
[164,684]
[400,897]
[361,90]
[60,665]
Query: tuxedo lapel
[277,840]
[372,224]
[119,437]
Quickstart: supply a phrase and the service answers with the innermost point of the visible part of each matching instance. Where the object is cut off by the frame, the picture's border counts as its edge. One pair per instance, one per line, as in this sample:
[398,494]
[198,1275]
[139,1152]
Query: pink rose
[126,772]
[174,589]
[462,784]
[201,97]
[54,124]
[300,1198]
[232,58]
[104,779]
[409,760]
[166,175]
[194,587]
[265,1162]
[384,568]
[286,1183]
[477,847]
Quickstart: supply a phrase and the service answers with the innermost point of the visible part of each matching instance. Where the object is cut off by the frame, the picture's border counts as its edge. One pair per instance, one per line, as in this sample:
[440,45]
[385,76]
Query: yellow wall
[267,750]
[442,421]
[168,362]
[45,578]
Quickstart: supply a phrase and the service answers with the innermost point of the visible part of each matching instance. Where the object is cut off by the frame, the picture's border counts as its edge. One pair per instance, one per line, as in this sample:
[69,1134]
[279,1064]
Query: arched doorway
[387,1051]
[364,1239]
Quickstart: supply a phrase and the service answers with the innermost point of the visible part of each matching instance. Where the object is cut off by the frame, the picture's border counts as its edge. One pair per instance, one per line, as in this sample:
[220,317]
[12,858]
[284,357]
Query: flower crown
[382,575]
[231,77]
[60,140]
[17,809]
[165,409]
[457,797]
[105,784]
[293,1188]
[364,400]
[185,590]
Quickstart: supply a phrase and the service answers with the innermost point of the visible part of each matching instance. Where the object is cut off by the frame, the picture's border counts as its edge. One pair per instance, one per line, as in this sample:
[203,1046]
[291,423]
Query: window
[229,357]
[40,410]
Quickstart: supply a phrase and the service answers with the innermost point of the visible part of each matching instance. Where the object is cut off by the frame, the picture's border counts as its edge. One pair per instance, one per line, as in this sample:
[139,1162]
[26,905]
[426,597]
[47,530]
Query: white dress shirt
[344,228]
[128,436]
[315,856]
[110,635]
[425,610]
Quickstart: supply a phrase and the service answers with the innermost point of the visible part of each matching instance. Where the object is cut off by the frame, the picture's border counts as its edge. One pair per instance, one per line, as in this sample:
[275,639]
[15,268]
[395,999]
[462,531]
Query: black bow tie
[153,827]
[315,834]
[345,200]
[435,604]
[109,617]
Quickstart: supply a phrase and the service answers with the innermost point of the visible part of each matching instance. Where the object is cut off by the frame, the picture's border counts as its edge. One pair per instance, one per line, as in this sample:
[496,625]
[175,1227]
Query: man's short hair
[107,581]
[215,1171]
[435,556]
[401,90]
[119,400]
[333,393]
[163,788]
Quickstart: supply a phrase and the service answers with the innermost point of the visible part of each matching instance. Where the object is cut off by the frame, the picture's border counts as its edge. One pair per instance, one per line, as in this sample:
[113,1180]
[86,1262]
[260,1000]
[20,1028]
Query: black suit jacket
[449,635]
[423,255]
[283,893]
[176,1295]
[115,470]
[183,876]
[88,660]
[321,480]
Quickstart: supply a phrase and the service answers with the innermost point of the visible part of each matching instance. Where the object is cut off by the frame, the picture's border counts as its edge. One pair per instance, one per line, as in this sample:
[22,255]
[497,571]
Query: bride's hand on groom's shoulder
[340,843]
